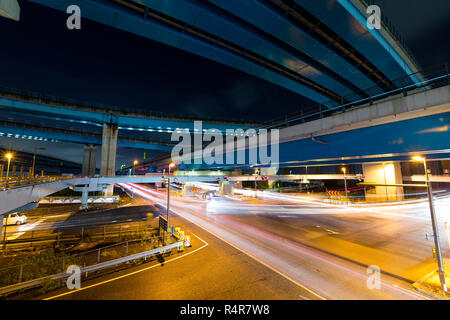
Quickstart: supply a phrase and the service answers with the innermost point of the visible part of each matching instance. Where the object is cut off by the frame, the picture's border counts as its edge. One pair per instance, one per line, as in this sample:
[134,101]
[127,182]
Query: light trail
[267,237]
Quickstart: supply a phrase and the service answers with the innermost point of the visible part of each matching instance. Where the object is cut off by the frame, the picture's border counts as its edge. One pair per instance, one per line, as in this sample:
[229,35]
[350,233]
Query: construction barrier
[187,241]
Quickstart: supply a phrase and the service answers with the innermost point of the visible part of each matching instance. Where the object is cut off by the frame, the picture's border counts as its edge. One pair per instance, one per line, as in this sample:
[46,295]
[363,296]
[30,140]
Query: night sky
[105,65]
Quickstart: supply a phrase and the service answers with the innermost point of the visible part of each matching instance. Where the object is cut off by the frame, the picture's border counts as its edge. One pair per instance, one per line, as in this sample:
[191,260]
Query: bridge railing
[433,78]
[18,182]
[28,95]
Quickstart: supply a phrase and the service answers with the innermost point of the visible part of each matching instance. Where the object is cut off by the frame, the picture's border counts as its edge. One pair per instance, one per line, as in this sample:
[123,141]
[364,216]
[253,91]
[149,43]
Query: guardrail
[70,234]
[15,182]
[85,270]
[68,200]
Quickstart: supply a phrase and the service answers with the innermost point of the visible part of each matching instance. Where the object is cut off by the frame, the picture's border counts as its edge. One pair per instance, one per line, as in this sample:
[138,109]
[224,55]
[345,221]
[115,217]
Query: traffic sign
[162,223]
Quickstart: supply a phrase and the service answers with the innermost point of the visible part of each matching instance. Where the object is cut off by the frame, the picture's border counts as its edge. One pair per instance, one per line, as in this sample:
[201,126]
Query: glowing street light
[34,160]
[134,166]
[433,223]
[8,156]
[171,165]
[344,170]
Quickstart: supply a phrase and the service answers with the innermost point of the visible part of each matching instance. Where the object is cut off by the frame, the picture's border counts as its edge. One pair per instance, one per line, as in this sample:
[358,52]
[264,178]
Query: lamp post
[433,224]
[345,180]
[385,188]
[256,184]
[171,165]
[34,160]
[134,166]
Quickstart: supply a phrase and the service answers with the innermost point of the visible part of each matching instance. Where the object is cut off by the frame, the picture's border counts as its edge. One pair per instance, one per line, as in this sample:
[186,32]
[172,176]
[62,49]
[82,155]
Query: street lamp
[34,160]
[344,170]
[433,223]
[171,165]
[256,177]
[134,166]
[8,156]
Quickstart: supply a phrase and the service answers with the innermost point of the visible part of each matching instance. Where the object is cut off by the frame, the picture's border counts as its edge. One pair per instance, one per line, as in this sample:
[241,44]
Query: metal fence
[73,235]
[26,275]
[17,181]
[49,263]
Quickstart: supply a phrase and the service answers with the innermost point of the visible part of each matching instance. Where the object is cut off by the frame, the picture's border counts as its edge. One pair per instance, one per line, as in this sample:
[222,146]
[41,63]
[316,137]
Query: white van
[14,218]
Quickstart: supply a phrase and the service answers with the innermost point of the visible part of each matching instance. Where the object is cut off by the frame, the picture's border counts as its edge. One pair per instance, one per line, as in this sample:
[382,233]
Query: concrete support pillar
[89,160]
[2,168]
[187,189]
[269,172]
[1,226]
[13,171]
[10,9]
[84,197]
[108,192]
[109,146]
[226,188]
[383,173]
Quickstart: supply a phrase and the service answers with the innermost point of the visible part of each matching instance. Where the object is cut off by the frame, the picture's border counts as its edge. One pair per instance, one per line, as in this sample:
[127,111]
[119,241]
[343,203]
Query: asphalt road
[210,269]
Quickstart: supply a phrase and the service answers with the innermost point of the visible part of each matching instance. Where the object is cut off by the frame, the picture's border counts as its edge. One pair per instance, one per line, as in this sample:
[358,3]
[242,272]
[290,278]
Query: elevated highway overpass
[335,61]
[20,195]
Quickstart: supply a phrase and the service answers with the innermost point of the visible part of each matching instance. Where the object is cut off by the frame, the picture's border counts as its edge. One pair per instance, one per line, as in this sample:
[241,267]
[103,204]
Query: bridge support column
[109,146]
[269,172]
[1,225]
[383,173]
[226,188]
[187,189]
[108,192]
[89,160]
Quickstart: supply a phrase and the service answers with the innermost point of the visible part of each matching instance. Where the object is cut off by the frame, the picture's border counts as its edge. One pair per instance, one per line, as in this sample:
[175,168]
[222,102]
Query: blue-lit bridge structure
[321,50]
[369,98]
[370,102]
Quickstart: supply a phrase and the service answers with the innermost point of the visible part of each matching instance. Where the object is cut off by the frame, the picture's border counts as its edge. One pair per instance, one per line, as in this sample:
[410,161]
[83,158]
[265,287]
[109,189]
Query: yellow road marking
[128,274]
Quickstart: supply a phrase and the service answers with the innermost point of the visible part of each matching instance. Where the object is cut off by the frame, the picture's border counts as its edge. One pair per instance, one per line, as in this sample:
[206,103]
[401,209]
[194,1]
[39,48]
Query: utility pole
[34,160]
[256,184]
[168,195]
[434,225]
[345,181]
[135,162]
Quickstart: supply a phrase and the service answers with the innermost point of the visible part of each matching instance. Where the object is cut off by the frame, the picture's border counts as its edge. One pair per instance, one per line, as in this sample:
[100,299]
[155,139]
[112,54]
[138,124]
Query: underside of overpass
[329,66]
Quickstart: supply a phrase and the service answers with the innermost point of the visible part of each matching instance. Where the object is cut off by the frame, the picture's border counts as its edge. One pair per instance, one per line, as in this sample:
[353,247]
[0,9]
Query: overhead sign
[10,9]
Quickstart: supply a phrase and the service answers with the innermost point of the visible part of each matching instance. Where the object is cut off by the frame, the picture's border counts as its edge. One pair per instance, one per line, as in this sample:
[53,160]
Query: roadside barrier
[85,270]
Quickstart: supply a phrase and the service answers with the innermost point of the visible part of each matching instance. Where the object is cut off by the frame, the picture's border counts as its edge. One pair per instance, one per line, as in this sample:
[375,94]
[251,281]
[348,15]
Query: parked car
[15,218]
